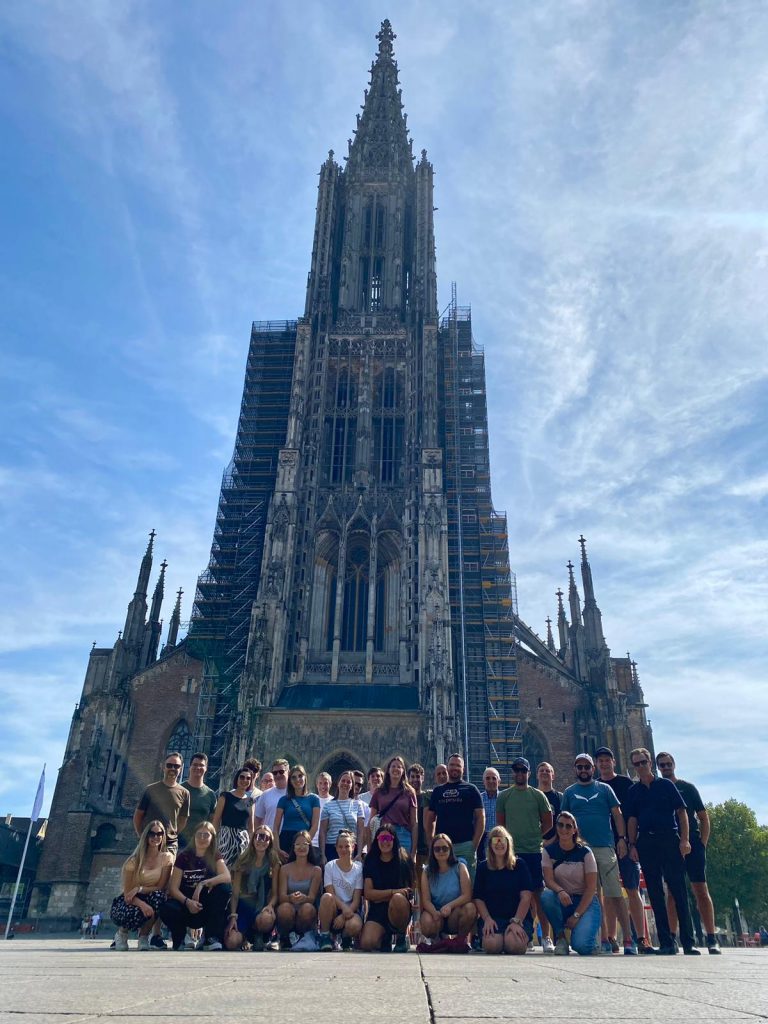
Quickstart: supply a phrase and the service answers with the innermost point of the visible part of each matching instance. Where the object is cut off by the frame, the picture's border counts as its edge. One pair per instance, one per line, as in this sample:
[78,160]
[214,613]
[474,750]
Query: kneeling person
[503,893]
[340,903]
[388,887]
[446,894]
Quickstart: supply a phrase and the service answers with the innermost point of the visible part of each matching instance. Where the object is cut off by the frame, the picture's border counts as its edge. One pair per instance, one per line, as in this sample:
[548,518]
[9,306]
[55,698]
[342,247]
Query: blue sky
[601,182]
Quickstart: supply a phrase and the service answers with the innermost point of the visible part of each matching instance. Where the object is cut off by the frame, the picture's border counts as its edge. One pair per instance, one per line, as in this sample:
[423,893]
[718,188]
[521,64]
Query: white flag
[39,796]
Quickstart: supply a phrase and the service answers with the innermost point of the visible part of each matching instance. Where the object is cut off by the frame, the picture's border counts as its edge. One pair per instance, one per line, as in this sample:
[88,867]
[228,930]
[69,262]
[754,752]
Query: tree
[737,860]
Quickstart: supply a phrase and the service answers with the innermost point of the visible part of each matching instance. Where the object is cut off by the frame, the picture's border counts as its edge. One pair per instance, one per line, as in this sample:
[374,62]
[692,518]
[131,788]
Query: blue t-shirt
[654,806]
[292,820]
[591,806]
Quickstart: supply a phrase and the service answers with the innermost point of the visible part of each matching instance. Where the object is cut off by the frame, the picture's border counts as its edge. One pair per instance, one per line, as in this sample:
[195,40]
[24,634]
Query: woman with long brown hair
[199,891]
[446,898]
[297,811]
[394,804]
[299,891]
[570,898]
[255,881]
[233,817]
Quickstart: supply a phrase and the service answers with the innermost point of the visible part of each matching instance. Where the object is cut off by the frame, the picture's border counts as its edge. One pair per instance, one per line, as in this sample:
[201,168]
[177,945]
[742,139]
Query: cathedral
[358,601]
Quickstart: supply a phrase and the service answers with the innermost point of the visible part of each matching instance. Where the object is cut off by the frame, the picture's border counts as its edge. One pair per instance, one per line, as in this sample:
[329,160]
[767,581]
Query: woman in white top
[340,903]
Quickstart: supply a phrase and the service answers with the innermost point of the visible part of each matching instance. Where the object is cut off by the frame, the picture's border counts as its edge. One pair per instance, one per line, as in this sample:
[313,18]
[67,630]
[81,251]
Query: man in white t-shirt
[266,805]
[375,779]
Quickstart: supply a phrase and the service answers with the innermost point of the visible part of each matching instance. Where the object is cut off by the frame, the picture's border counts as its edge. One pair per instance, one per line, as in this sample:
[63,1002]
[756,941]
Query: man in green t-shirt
[526,814]
[202,799]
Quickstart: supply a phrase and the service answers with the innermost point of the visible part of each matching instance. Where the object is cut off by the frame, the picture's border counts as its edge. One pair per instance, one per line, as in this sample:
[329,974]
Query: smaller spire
[583,544]
[386,38]
[574,601]
[550,638]
[157,597]
[562,623]
[173,628]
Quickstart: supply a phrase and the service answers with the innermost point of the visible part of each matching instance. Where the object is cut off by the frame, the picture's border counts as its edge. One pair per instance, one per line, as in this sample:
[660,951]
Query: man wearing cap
[628,869]
[696,861]
[657,825]
[595,805]
[527,815]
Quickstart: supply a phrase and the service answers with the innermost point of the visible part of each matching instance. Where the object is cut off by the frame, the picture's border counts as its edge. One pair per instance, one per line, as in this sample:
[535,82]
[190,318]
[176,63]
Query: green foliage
[737,861]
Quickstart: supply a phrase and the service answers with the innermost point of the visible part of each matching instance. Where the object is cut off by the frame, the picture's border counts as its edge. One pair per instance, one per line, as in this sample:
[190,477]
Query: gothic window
[389,388]
[365,281]
[378,273]
[355,614]
[379,238]
[181,740]
[367,223]
[534,748]
[342,448]
[345,390]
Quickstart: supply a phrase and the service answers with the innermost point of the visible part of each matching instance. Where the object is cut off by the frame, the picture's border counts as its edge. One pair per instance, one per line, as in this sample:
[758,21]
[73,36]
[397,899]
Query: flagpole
[32,820]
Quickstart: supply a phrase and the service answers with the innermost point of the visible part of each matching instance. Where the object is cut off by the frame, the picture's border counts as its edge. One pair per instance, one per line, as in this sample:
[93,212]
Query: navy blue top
[455,804]
[654,806]
[500,890]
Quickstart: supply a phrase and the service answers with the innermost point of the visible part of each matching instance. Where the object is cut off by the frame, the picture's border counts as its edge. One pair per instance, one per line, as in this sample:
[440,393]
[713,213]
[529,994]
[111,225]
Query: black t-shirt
[194,870]
[390,874]
[555,798]
[455,804]
[654,806]
[693,803]
[621,785]
[500,890]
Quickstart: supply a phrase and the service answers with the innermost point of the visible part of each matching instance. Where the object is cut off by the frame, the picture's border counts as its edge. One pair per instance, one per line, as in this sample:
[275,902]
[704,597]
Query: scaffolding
[482,588]
[228,587]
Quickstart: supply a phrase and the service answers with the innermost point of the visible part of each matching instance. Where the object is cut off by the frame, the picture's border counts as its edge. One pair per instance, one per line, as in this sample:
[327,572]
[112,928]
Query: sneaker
[257,946]
[273,946]
[614,945]
[643,946]
[180,949]
[326,942]
[121,941]
[190,942]
[630,948]
[401,943]
[713,946]
[561,947]
[691,951]
[666,951]
[606,948]
[211,946]
[547,945]
[346,944]
[285,944]
[157,942]
[143,942]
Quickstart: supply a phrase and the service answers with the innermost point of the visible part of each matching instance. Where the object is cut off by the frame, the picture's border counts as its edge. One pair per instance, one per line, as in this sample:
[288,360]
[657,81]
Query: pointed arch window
[181,739]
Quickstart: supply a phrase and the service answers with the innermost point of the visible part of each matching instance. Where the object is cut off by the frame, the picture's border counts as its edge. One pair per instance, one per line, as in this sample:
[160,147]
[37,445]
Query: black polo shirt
[654,806]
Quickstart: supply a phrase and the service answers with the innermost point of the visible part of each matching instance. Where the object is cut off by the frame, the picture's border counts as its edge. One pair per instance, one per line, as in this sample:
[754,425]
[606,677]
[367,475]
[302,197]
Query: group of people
[279,866]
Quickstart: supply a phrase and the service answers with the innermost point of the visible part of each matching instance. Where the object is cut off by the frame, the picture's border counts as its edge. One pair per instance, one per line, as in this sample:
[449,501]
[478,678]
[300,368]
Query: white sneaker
[561,947]
[143,942]
[212,946]
[547,945]
[121,941]
[190,942]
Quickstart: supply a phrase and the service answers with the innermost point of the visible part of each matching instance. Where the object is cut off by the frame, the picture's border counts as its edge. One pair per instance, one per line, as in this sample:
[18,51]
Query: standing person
[375,779]
[527,816]
[502,894]
[489,794]
[267,782]
[456,809]
[441,774]
[657,824]
[266,805]
[202,799]
[570,873]
[169,802]
[165,801]
[416,775]
[300,882]
[446,897]
[545,777]
[344,813]
[394,803]
[144,879]
[297,811]
[340,914]
[199,891]
[388,888]
[323,782]
[233,818]
[629,870]
[595,805]
[696,861]
[255,882]
[95,922]
[253,764]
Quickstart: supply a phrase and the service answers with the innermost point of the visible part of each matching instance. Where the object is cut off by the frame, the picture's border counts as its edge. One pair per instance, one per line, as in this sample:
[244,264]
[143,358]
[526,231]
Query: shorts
[338,931]
[696,861]
[467,852]
[630,873]
[608,870]
[379,914]
[247,912]
[533,862]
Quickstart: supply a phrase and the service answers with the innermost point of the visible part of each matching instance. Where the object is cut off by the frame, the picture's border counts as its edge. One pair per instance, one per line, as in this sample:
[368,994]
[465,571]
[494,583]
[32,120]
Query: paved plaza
[74,980]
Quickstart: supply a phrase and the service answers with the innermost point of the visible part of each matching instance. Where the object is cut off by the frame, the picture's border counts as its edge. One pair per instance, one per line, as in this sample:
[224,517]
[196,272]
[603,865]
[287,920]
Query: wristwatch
[575,915]
[516,920]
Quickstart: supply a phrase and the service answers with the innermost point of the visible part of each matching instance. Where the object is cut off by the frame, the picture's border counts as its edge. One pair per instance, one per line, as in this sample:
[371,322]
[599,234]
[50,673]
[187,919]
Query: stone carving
[275,578]
[288,457]
[432,517]
[280,521]
[432,456]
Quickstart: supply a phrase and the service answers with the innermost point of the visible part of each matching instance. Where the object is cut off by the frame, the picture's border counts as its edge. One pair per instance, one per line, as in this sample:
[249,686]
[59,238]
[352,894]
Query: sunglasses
[441,849]
[157,835]
[175,767]
[639,764]
[665,764]
[278,771]
[203,832]
[564,824]
[262,837]
[583,767]
[385,838]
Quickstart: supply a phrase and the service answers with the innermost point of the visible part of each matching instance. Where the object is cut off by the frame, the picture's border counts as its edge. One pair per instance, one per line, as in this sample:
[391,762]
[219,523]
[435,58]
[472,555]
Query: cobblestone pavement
[71,980]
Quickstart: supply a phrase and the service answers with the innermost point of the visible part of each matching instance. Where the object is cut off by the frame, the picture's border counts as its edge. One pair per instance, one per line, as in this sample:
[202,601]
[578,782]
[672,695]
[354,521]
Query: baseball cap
[604,751]
[520,762]
[584,757]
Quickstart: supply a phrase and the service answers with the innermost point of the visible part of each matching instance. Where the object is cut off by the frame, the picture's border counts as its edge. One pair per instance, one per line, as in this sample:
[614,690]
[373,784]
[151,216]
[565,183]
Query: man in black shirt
[696,861]
[628,868]
[657,825]
[457,810]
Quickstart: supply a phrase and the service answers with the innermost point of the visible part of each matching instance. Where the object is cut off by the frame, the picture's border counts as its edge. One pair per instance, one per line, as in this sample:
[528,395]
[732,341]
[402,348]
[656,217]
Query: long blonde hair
[247,858]
[139,855]
[510,860]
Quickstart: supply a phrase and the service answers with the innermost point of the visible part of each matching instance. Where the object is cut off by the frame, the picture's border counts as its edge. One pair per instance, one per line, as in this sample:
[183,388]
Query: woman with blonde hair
[446,899]
[502,894]
[144,878]
[255,880]
[199,891]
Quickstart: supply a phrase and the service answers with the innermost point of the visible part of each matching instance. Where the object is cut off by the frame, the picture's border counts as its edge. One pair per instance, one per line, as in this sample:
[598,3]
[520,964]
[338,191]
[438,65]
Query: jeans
[584,935]
[404,835]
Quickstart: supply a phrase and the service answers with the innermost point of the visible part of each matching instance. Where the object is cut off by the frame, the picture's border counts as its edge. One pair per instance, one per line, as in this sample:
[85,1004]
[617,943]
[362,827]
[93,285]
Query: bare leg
[705,905]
